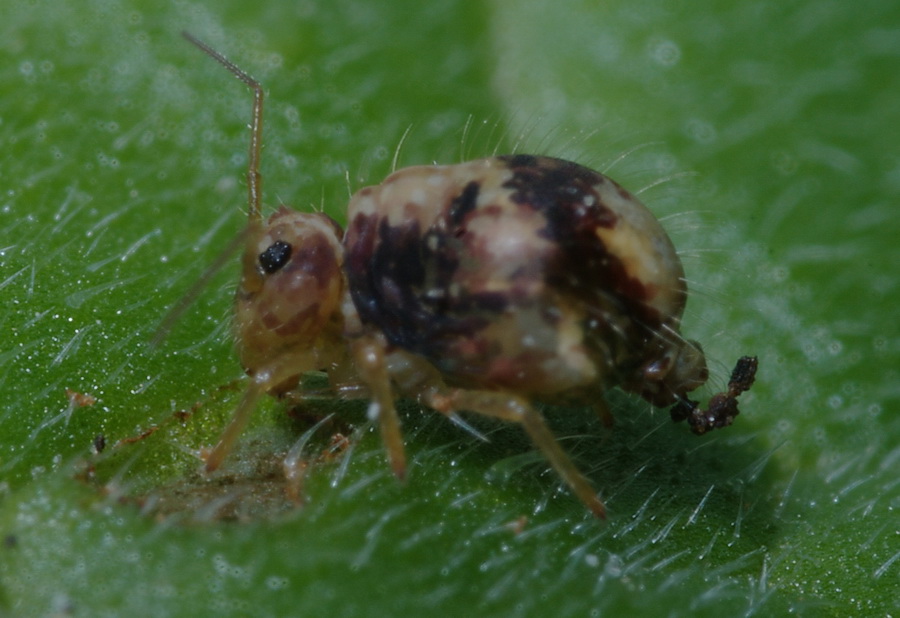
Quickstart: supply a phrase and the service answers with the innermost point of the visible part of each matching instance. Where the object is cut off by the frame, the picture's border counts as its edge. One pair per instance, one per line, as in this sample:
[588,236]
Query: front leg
[269,378]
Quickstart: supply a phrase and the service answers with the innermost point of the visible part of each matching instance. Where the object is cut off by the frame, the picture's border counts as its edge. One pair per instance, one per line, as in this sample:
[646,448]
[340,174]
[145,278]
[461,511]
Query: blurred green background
[764,135]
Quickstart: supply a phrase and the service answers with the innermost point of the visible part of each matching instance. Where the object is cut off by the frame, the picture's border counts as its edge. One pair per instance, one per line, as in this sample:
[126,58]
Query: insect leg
[602,410]
[284,370]
[511,408]
[369,357]
[239,421]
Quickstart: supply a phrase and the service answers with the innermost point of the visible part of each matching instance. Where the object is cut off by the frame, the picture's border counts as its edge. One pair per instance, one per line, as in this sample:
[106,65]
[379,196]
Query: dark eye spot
[275,257]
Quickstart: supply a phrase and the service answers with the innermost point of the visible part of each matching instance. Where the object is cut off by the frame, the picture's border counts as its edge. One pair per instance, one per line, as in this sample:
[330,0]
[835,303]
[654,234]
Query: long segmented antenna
[254,193]
[254,178]
[174,314]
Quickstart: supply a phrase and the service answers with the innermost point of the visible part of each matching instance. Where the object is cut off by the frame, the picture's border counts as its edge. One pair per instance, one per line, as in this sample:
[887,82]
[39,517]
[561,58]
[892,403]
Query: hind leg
[516,409]
[416,378]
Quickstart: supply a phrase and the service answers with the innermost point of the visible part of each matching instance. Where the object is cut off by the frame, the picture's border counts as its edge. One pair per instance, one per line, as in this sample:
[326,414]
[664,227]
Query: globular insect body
[524,273]
[484,287]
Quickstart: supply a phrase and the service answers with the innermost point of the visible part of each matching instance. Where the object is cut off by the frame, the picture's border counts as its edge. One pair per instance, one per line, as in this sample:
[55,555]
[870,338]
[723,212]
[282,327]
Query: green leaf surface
[763,134]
